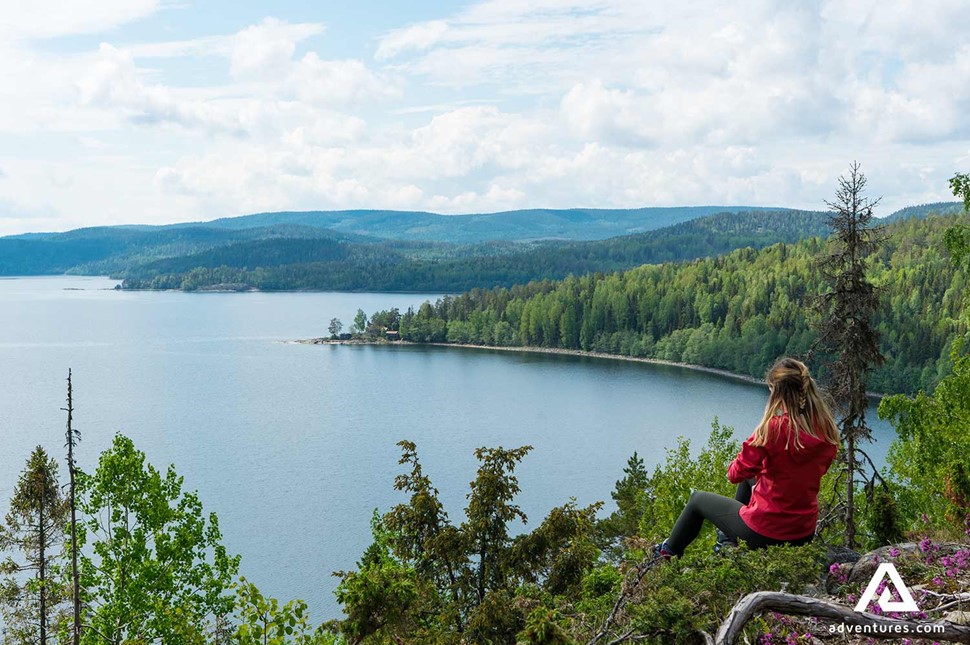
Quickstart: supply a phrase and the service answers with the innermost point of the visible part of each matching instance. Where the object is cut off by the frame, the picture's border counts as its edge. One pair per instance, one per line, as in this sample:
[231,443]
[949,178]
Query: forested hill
[113,249]
[737,312]
[923,210]
[325,265]
[519,225]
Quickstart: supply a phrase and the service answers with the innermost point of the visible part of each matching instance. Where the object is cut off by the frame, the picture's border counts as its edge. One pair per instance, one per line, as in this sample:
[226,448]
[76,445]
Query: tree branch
[630,583]
[791,604]
[875,471]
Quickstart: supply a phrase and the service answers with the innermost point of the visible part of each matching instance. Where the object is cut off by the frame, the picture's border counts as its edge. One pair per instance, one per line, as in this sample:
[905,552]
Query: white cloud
[315,169]
[114,82]
[329,82]
[730,73]
[263,56]
[265,51]
[326,129]
[51,18]
[503,104]
[595,113]
[408,196]
[414,38]
[267,84]
[469,139]
[236,179]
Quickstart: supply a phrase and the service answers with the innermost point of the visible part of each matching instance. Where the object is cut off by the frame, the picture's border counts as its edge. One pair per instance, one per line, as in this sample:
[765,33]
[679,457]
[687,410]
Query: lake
[293,445]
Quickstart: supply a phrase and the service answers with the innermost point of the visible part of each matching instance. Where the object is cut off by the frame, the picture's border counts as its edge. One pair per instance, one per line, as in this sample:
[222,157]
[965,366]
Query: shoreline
[558,351]
[257,290]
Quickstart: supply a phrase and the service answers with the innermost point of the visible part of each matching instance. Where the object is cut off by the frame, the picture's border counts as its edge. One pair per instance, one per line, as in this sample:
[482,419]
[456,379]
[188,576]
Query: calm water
[293,446]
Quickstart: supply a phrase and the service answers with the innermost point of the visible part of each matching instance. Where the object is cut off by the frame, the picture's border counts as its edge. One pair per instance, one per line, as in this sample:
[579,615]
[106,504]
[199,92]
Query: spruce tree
[32,598]
[846,329]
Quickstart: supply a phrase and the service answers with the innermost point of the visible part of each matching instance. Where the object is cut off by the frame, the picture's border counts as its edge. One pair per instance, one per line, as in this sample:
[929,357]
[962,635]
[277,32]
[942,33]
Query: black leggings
[722,512]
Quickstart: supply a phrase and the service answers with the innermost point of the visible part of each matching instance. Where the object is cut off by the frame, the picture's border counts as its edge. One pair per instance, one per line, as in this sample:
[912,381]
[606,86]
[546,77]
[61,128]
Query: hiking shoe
[723,542]
[661,552]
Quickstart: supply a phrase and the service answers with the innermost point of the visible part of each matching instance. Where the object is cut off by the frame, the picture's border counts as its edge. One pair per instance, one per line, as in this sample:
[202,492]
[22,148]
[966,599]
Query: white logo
[886,603]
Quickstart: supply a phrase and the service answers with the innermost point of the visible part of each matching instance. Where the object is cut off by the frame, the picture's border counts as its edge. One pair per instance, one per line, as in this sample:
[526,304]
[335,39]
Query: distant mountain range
[322,264]
[400,250]
[519,225]
[108,250]
[113,249]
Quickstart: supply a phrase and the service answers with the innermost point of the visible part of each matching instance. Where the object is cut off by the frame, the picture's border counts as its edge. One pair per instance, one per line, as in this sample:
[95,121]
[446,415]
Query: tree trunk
[481,573]
[792,604]
[42,571]
[72,470]
[850,490]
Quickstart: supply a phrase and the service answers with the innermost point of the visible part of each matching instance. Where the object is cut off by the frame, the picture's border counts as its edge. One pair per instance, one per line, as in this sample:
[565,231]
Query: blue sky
[155,111]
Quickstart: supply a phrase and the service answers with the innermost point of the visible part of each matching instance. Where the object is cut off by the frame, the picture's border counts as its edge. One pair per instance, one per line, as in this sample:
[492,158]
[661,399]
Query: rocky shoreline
[549,350]
[351,341]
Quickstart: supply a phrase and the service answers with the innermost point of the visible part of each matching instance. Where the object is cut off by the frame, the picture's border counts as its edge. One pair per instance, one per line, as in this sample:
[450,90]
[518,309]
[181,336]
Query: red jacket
[784,503]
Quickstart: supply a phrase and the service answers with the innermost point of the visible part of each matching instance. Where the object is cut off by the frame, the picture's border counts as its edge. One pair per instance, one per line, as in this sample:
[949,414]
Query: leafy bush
[930,460]
[264,621]
[668,489]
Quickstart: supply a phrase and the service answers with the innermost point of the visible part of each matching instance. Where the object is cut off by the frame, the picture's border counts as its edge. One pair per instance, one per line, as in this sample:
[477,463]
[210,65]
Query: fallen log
[795,605]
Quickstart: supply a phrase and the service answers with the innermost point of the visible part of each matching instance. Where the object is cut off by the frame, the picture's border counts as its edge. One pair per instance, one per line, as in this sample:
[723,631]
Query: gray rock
[866,566]
[841,554]
[833,555]
[863,569]
[958,617]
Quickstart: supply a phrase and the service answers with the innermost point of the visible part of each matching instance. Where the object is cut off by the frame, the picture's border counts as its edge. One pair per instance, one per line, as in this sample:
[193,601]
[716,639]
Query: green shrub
[668,489]
[930,460]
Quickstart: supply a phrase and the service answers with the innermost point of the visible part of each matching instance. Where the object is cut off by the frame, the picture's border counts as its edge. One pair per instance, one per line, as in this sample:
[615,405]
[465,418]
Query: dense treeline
[923,210]
[736,312]
[298,264]
[271,252]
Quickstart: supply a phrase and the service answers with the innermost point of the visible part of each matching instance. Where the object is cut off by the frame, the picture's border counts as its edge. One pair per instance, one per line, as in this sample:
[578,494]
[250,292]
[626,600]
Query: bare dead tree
[73,436]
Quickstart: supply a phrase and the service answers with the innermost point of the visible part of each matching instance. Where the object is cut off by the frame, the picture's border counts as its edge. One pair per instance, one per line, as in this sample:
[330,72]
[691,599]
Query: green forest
[282,264]
[736,312]
[124,555]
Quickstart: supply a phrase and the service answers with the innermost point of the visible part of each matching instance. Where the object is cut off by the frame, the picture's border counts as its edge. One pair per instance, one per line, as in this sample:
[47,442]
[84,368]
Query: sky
[159,111]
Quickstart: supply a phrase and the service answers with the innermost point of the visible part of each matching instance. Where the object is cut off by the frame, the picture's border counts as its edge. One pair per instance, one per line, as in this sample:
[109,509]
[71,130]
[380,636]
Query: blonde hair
[793,390]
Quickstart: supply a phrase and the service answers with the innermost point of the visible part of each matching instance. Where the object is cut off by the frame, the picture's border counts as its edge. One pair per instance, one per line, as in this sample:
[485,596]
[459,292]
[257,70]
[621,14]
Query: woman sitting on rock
[778,471]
